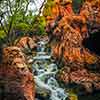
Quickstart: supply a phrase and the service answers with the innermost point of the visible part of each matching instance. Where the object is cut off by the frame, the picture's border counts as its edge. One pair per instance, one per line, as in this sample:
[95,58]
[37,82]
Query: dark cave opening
[93,42]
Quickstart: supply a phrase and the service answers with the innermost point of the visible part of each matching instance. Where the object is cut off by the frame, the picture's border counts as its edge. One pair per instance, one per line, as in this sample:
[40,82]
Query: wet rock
[47,87]
[16,81]
[30,61]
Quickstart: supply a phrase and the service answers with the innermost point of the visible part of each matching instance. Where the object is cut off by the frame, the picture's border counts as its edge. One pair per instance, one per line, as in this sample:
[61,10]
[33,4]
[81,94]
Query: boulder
[26,44]
[16,81]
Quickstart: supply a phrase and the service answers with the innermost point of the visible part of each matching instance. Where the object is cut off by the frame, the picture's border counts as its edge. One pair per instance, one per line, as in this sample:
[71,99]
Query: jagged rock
[80,76]
[16,81]
[27,44]
[67,35]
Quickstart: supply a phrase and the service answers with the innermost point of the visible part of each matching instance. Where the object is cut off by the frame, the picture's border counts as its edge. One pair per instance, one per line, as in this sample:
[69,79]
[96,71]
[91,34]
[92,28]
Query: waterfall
[45,70]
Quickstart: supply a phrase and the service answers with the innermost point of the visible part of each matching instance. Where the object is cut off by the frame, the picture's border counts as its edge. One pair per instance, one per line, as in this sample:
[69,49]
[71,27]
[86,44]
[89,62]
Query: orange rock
[68,35]
[17,81]
[81,77]
[26,42]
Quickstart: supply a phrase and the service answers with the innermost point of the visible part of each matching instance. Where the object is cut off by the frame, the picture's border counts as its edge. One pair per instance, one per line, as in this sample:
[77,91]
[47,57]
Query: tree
[8,13]
[16,14]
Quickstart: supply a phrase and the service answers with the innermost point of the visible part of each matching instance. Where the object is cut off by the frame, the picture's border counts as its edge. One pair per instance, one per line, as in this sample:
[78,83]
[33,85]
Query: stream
[44,70]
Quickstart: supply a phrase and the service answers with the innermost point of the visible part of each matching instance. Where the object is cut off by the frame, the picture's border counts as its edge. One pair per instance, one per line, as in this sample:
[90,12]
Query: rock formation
[16,81]
[27,44]
[67,31]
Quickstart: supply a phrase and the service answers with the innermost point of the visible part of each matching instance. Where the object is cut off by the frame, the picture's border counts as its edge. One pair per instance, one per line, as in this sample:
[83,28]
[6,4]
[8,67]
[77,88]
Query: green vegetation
[39,26]
[2,34]
[48,6]
[17,20]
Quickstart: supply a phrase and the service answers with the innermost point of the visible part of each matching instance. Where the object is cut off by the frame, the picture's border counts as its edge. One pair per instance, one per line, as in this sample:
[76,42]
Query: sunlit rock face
[26,44]
[16,81]
[67,36]
[68,32]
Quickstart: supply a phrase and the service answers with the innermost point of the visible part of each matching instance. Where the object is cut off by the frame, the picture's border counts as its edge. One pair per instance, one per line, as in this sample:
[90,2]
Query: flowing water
[44,69]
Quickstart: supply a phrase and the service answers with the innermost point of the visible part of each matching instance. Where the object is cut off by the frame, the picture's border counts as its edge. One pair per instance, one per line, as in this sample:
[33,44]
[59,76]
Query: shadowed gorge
[92,43]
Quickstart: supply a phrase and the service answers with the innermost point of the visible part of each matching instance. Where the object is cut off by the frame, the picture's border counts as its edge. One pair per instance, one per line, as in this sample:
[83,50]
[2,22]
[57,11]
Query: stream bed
[44,70]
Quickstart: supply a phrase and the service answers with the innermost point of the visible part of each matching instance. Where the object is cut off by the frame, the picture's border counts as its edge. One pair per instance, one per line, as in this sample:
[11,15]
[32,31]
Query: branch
[3,27]
[2,24]
[9,4]
[26,9]
[40,10]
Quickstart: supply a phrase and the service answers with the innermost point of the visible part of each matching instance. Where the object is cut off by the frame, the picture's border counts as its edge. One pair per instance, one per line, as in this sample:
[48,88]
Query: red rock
[17,82]
[89,80]
[26,42]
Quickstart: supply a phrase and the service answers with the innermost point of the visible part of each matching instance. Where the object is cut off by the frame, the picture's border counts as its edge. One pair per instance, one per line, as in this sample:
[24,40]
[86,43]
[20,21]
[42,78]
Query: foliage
[22,27]
[39,26]
[8,12]
[47,8]
[2,34]
[15,16]
[32,24]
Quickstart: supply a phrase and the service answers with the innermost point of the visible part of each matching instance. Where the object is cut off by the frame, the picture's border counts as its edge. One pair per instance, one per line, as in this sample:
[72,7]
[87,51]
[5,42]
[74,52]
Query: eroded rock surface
[67,31]
[27,44]
[16,81]
[89,81]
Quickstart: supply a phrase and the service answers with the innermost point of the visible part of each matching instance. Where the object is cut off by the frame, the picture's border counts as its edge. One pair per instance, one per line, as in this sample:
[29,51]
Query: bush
[22,27]
[2,34]
[39,26]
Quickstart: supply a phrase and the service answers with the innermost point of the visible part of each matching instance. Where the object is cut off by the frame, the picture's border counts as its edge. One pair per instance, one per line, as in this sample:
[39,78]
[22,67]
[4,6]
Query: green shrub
[2,34]
[39,26]
[22,27]
[47,8]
